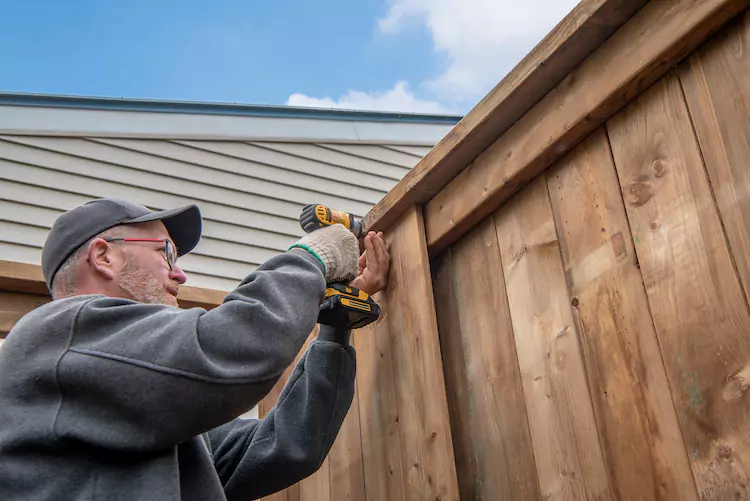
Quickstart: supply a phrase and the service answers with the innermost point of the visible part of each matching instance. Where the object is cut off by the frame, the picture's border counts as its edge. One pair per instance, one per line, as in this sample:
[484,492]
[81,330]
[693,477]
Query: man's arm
[256,458]
[157,375]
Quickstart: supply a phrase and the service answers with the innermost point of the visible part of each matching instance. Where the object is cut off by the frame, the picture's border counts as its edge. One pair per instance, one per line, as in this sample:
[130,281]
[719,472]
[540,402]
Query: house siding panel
[250,194]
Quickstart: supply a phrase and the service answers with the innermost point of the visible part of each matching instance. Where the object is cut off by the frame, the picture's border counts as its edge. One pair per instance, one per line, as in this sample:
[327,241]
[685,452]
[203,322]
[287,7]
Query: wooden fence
[567,315]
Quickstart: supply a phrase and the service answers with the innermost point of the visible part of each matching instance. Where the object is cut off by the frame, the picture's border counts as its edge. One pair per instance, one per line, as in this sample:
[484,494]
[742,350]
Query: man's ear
[101,258]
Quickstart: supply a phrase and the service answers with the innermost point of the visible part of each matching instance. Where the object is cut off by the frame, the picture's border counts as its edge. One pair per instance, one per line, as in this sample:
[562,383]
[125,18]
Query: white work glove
[337,248]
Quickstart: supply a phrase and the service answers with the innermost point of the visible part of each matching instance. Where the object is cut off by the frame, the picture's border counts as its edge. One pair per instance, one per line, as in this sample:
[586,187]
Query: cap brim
[184,225]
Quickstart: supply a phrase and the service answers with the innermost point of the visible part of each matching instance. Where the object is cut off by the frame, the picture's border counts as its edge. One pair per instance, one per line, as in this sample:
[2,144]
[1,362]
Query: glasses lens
[171,254]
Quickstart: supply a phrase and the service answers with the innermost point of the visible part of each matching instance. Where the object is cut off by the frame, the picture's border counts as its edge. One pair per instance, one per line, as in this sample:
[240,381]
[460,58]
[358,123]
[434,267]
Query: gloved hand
[337,248]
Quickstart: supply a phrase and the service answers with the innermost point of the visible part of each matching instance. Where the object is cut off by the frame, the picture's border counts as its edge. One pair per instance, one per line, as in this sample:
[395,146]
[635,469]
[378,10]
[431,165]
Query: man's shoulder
[50,314]
[59,306]
[60,312]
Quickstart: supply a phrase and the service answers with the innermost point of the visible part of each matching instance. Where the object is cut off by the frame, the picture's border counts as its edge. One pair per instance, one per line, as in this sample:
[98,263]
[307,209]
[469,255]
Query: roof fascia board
[89,122]
[208,108]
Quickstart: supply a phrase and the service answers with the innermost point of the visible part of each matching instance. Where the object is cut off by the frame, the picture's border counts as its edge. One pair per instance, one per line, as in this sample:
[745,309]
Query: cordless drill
[344,306]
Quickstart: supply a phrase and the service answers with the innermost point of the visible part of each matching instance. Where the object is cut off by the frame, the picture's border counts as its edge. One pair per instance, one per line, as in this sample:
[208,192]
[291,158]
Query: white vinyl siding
[250,193]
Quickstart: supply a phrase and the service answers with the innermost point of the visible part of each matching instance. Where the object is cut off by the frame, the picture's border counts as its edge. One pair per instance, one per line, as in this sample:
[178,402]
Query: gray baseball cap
[77,226]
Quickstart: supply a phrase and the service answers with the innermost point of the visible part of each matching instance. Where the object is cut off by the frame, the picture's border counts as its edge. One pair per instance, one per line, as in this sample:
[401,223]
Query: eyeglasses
[170,253]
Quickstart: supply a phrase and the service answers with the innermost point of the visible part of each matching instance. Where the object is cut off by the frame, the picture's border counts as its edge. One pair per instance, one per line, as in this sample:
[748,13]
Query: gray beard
[141,285]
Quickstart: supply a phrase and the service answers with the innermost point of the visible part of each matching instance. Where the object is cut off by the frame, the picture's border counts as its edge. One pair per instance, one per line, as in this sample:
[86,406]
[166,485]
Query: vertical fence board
[483,381]
[716,82]
[317,486]
[378,413]
[289,494]
[637,421]
[569,459]
[694,293]
[427,447]
[347,476]
[456,381]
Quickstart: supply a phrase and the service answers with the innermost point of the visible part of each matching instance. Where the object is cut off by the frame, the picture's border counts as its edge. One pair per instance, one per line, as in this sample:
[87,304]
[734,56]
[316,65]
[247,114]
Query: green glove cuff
[314,254]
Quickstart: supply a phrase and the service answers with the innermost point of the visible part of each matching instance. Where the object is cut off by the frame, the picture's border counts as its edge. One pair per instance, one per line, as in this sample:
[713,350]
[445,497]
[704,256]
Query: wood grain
[289,494]
[456,380]
[346,467]
[318,485]
[643,50]
[581,32]
[695,296]
[426,444]
[14,305]
[569,459]
[378,413]
[486,399]
[22,277]
[716,82]
[638,425]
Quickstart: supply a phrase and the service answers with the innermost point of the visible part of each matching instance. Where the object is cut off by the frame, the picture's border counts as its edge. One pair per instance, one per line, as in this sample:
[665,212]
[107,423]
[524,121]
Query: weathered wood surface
[22,277]
[716,82]
[636,418]
[380,425]
[696,300]
[415,367]
[494,454]
[318,485]
[401,413]
[346,466]
[457,384]
[581,32]
[569,459]
[14,305]
[657,37]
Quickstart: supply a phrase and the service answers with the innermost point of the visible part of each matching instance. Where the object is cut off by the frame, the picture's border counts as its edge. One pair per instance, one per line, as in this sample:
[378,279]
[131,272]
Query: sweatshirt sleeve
[158,375]
[256,458]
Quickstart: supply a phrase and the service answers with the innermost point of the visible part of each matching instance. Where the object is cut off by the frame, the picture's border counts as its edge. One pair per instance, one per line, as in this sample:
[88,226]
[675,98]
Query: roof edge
[217,108]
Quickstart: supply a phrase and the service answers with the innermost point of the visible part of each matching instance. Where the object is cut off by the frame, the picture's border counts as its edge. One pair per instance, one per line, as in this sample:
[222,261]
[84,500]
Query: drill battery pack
[347,307]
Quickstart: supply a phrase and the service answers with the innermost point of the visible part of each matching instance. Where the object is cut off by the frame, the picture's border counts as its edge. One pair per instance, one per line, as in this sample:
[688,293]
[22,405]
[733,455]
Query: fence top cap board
[665,32]
[28,278]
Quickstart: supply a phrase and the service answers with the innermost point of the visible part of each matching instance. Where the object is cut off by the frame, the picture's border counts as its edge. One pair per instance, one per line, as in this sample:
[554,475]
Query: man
[110,392]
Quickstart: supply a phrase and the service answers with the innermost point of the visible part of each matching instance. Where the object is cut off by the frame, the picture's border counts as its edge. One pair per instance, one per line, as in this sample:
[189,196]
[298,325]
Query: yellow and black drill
[344,306]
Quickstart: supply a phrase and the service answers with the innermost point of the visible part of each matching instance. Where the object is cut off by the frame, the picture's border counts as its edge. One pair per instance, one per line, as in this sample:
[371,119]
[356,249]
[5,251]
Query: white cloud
[482,39]
[399,98]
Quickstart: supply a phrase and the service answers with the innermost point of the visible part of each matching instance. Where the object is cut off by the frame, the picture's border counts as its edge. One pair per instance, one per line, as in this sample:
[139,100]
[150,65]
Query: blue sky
[403,55]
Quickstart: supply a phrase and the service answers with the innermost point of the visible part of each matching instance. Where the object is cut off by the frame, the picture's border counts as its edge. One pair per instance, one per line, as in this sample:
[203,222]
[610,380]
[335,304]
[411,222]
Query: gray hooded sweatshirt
[110,399]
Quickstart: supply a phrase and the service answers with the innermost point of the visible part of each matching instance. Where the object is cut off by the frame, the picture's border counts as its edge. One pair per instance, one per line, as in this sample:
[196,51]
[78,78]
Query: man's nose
[178,275]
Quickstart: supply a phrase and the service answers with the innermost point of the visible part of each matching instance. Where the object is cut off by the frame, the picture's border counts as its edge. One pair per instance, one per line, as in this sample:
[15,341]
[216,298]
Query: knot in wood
[640,191]
[723,452]
[736,385]
[659,167]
